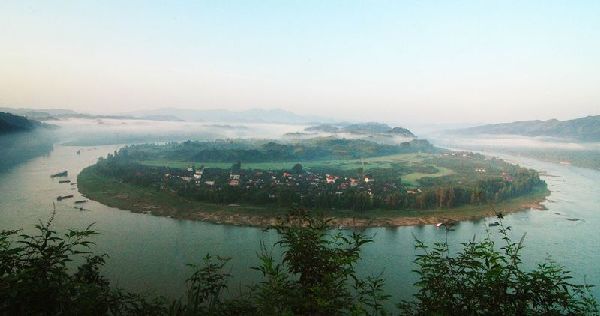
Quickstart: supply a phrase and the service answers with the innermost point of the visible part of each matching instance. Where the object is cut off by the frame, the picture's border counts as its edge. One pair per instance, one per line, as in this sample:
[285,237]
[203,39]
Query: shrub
[482,279]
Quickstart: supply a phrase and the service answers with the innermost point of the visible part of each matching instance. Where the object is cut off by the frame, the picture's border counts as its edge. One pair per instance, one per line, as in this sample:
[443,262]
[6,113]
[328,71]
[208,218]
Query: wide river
[149,254]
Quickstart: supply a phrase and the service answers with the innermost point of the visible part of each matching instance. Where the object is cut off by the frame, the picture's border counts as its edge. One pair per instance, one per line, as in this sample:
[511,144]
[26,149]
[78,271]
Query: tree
[36,276]
[316,274]
[297,168]
[313,274]
[236,167]
[484,280]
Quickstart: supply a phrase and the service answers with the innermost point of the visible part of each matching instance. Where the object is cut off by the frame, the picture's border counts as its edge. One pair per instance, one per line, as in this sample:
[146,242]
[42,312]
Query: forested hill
[22,139]
[361,128]
[584,129]
[246,151]
[10,123]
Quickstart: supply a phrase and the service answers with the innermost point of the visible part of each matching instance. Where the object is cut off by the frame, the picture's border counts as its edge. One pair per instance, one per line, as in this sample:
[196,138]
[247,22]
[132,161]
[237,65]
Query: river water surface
[148,254]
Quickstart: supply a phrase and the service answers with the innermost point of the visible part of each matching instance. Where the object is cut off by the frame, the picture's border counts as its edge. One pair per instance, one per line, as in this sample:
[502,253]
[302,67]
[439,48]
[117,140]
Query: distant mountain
[361,128]
[60,114]
[160,118]
[173,114]
[247,116]
[584,129]
[39,114]
[10,123]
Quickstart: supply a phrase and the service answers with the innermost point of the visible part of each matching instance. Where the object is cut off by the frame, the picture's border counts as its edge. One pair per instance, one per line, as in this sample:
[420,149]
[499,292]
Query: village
[407,181]
[374,183]
[298,180]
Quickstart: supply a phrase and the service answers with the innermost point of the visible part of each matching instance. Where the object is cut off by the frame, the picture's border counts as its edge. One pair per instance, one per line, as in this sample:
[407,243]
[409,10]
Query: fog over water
[514,141]
[124,131]
[121,131]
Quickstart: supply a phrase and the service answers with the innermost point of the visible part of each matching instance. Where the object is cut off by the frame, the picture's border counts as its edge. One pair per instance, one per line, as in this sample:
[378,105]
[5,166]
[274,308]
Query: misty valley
[359,158]
[372,178]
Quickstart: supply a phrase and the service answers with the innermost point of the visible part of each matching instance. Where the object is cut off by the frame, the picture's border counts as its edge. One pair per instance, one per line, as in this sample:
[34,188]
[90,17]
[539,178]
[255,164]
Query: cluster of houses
[259,179]
[464,154]
[507,177]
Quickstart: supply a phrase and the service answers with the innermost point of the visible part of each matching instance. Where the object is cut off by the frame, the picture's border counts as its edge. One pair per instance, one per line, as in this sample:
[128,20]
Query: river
[148,254]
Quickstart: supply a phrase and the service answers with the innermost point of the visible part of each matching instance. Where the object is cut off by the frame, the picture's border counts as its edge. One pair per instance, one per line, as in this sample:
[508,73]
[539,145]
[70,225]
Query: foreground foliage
[482,279]
[313,274]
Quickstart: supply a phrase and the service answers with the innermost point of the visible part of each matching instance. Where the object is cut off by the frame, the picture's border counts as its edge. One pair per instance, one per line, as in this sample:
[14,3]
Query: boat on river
[60,174]
[62,197]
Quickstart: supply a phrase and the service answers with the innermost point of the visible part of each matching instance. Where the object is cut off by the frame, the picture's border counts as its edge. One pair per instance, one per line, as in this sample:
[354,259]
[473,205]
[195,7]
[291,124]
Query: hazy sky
[402,61]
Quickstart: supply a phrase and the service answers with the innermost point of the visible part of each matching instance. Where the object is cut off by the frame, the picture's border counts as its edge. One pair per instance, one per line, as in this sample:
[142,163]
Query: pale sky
[402,61]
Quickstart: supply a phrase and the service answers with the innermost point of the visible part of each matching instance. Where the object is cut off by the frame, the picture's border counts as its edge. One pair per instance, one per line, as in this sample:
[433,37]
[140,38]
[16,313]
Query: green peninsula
[357,182]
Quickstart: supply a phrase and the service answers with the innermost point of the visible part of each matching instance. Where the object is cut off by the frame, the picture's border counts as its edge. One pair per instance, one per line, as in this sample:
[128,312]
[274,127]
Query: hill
[247,116]
[269,151]
[22,139]
[361,128]
[39,114]
[583,129]
[10,123]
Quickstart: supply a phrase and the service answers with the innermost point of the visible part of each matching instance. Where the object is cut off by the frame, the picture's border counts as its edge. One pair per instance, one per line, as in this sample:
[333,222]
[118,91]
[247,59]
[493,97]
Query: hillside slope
[10,123]
[584,129]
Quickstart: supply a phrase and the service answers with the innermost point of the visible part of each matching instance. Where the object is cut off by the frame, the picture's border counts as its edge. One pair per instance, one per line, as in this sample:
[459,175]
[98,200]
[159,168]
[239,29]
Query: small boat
[494,224]
[60,174]
[64,181]
[62,197]
[80,201]
[438,225]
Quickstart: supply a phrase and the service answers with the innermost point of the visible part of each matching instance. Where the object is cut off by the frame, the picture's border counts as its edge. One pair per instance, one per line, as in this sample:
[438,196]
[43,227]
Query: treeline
[48,273]
[253,151]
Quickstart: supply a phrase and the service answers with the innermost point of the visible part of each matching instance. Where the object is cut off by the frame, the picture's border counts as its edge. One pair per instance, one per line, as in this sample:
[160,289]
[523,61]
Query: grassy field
[111,192]
[344,164]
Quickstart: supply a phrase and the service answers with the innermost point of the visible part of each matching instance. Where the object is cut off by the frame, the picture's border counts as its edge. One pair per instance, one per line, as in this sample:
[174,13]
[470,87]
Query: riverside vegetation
[47,273]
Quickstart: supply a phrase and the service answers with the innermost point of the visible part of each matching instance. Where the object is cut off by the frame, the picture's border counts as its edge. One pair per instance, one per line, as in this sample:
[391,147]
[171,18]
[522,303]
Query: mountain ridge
[583,129]
[248,116]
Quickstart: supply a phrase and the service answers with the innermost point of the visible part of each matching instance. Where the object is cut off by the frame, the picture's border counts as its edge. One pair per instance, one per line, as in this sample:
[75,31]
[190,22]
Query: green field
[343,164]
